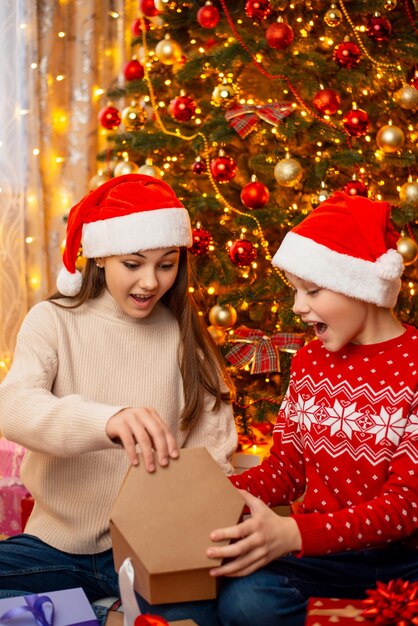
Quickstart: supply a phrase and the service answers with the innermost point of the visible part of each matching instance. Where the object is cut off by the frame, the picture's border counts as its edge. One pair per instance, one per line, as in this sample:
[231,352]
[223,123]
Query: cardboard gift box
[162,522]
[331,611]
[69,607]
[12,492]
[115,618]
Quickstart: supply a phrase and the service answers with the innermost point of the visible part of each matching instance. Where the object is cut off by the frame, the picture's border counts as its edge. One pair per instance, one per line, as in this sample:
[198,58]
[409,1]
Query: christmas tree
[254,112]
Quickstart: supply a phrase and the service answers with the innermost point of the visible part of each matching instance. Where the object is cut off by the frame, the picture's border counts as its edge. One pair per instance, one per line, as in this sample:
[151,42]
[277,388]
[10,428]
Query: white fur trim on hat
[376,282]
[144,230]
[69,284]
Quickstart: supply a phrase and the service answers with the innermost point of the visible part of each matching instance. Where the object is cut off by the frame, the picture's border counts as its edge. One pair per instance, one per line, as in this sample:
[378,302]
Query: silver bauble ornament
[408,249]
[407,97]
[390,138]
[288,172]
[134,117]
[125,167]
[98,179]
[149,169]
[409,193]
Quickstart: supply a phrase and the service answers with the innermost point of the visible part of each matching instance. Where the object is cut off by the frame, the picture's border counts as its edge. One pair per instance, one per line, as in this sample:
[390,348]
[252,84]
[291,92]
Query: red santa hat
[125,214]
[348,245]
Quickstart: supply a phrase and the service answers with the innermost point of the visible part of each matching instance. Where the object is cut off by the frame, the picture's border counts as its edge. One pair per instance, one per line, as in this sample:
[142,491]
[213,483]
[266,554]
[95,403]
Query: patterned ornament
[182,108]
[125,167]
[288,172]
[356,122]
[347,54]
[148,8]
[133,117]
[208,16]
[109,117]
[355,188]
[133,70]
[199,166]
[242,252]
[202,239]
[327,101]
[168,51]
[223,316]
[379,28]
[333,17]
[254,195]
[408,249]
[279,35]
[244,117]
[223,168]
[407,97]
[390,138]
[257,9]
[409,193]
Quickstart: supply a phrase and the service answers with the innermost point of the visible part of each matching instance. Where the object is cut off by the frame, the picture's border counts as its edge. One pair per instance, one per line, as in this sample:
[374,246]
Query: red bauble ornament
[254,195]
[136,27]
[355,188]
[279,35]
[208,16]
[257,9]
[199,166]
[148,8]
[183,108]
[356,122]
[201,241]
[379,28]
[412,76]
[327,101]
[110,118]
[347,54]
[133,70]
[223,168]
[242,252]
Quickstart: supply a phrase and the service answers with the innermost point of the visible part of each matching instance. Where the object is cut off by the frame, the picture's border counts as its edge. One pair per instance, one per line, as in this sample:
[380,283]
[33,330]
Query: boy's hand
[144,427]
[261,538]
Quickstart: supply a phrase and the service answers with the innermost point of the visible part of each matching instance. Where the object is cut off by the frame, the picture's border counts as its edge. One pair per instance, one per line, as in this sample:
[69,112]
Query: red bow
[394,603]
[244,117]
[262,352]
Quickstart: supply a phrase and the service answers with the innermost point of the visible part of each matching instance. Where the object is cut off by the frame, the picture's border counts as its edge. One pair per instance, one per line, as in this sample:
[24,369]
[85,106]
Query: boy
[346,437]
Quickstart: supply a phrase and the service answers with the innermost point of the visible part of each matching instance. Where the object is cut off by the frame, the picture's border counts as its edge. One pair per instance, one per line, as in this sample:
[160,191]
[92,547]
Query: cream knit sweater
[73,370]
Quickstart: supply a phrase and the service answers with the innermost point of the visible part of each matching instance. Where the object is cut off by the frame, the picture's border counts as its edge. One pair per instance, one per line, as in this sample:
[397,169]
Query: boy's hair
[201,364]
[348,245]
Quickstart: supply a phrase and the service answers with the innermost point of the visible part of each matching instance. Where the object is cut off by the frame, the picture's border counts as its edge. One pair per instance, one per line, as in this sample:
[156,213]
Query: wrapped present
[11,456]
[331,611]
[69,607]
[12,492]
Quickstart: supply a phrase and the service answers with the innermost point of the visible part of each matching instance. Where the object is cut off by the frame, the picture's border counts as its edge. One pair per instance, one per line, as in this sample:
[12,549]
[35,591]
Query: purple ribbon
[35,606]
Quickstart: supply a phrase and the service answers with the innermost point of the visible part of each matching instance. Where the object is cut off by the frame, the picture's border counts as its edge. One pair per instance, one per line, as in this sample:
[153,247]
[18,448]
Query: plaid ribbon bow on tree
[244,117]
[255,348]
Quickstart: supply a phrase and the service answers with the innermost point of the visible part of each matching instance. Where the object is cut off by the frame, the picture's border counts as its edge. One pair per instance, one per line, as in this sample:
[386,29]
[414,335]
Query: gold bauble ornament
[168,51]
[224,93]
[409,193]
[223,316]
[149,169]
[333,17]
[407,97]
[288,172]
[217,334]
[125,167]
[390,138]
[133,117]
[408,249]
[98,179]
[389,5]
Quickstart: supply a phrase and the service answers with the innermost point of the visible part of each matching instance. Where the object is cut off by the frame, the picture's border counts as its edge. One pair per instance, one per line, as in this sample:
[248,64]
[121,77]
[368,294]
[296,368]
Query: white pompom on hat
[124,215]
[348,245]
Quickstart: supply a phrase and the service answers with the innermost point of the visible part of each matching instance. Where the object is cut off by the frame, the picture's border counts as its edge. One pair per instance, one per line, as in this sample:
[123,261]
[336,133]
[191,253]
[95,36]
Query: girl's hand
[144,427]
[261,538]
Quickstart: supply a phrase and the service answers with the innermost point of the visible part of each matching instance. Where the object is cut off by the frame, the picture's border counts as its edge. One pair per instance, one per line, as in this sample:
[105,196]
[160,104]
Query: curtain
[56,59]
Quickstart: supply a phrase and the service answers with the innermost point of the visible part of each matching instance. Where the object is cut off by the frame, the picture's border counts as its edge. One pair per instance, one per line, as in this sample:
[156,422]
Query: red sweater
[346,438]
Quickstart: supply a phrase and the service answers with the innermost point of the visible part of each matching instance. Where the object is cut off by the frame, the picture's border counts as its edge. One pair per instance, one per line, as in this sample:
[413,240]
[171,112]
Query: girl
[118,362]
